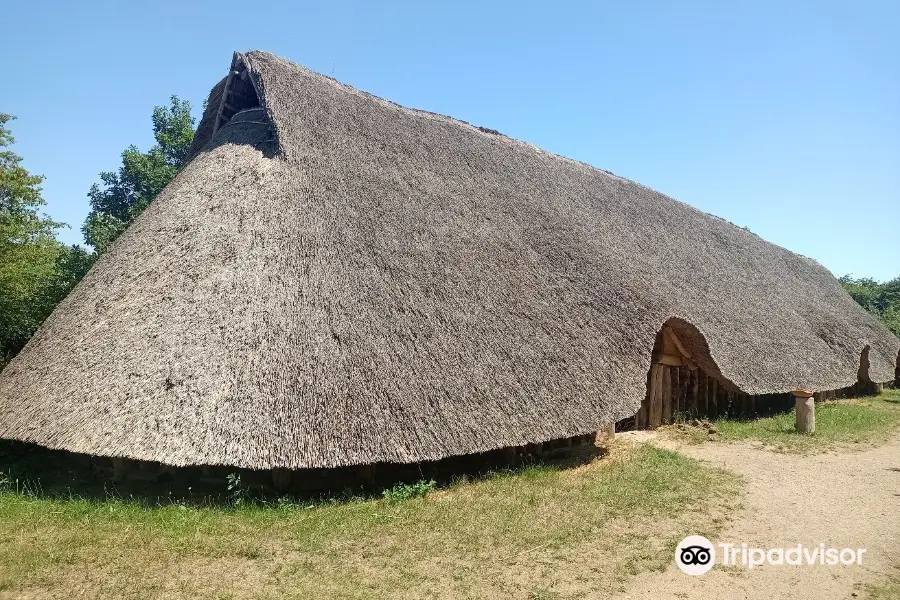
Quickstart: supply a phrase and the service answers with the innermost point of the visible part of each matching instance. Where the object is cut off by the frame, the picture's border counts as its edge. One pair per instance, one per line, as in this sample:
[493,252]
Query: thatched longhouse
[336,280]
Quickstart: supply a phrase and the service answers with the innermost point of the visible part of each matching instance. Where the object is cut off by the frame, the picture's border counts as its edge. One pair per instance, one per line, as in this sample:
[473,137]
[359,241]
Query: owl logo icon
[695,555]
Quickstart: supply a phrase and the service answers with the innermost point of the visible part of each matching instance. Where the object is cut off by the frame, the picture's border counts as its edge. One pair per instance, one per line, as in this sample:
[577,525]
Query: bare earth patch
[842,499]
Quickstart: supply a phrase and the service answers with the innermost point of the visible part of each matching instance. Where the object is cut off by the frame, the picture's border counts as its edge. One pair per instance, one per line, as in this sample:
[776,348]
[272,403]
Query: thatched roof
[336,279]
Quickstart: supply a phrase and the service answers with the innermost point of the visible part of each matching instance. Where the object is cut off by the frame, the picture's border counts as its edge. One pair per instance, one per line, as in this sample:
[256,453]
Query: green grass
[887,589]
[841,423]
[538,532]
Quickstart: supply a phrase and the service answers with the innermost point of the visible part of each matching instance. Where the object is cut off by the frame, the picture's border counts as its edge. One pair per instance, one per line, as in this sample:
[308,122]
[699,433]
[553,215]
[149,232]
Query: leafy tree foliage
[36,271]
[124,194]
[20,194]
[881,299]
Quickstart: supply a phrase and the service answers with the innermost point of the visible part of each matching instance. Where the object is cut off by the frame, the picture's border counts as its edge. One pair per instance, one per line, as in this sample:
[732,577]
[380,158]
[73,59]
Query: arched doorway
[672,378]
[864,384]
[684,382]
[897,371]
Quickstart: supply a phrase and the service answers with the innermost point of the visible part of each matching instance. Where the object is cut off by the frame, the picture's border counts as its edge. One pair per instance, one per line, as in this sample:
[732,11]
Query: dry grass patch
[858,422]
[887,589]
[539,532]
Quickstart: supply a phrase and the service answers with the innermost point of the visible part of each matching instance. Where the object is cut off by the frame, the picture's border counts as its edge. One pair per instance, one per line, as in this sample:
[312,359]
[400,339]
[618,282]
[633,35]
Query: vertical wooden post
[666,382]
[713,402]
[655,411]
[723,401]
[701,393]
[806,411]
[676,392]
[695,391]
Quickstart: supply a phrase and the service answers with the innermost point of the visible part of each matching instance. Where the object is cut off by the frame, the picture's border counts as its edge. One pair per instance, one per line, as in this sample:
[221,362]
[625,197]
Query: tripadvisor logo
[696,555]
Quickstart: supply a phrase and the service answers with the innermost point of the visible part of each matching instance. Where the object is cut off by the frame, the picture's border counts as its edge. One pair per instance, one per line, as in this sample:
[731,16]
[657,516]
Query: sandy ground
[844,499]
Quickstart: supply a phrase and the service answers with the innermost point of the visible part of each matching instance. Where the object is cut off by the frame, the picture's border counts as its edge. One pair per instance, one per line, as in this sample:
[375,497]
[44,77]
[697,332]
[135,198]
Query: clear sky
[781,116]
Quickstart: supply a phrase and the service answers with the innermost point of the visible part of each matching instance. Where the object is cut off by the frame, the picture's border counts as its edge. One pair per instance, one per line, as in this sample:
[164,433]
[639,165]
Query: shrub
[406,491]
[236,490]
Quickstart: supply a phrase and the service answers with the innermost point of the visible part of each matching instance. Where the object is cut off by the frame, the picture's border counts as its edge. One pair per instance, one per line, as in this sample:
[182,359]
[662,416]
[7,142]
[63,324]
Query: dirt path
[847,499]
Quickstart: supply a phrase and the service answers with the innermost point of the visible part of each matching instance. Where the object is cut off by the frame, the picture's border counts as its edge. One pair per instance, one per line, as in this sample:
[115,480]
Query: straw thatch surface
[394,285]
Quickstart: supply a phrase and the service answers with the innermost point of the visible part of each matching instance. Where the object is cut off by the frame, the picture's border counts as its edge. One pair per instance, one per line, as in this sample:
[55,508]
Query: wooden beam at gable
[236,64]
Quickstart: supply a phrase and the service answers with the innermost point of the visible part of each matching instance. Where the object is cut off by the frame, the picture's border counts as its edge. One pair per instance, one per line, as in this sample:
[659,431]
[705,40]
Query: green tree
[124,194]
[30,255]
[72,264]
[881,299]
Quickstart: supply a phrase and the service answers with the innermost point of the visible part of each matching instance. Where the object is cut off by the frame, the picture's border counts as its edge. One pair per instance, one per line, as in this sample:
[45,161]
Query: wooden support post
[703,382]
[666,395]
[655,409]
[675,375]
[219,115]
[606,433]
[723,401]
[695,391]
[678,392]
[806,411]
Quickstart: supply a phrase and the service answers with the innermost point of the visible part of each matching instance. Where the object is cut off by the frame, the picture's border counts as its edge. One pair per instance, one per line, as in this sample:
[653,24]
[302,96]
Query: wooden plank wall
[679,391]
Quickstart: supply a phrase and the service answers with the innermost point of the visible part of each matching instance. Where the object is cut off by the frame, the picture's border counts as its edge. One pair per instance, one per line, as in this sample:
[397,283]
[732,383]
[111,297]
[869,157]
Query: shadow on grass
[32,470]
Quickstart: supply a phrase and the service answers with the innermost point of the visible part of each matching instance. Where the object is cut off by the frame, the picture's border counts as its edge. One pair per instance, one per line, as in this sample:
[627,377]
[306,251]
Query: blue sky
[783,117]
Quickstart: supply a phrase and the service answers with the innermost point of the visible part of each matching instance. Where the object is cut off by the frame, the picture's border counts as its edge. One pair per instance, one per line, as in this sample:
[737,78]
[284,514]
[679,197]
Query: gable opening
[239,94]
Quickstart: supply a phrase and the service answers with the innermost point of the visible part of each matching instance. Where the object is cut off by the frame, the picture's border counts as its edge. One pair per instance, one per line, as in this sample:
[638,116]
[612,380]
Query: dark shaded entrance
[684,382]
